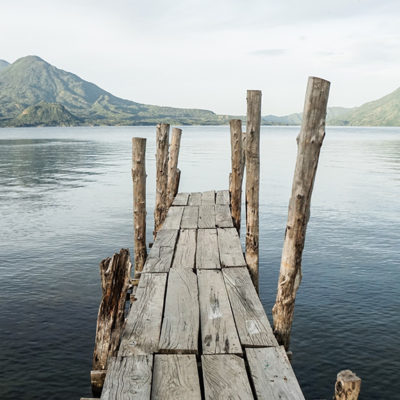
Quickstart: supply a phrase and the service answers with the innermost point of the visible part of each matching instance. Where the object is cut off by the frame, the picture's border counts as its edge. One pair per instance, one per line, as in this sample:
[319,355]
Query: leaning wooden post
[237,171]
[252,155]
[173,171]
[160,210]
[139,202]
[115,276]
[309,144]
[348,386]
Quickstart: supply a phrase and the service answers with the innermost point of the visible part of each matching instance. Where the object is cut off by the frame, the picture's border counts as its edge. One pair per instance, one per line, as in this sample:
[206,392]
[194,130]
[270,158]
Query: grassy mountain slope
[30,80]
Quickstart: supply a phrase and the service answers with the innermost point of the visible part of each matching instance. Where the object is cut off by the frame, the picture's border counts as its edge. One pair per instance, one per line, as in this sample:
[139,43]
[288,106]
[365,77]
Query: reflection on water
[65,203]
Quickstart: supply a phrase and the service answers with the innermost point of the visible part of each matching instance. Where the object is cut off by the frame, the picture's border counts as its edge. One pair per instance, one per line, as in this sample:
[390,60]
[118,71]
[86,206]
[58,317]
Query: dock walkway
[197,329]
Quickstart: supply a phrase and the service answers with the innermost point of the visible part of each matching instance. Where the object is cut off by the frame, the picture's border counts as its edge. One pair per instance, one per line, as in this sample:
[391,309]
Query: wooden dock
[197,329]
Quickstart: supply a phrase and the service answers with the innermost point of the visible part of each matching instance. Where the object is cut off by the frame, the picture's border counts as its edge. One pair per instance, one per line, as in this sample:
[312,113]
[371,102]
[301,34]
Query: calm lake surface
[66,203]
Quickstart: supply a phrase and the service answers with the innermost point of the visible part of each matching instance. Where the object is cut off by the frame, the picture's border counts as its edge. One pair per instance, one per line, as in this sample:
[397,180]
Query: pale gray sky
[206,53]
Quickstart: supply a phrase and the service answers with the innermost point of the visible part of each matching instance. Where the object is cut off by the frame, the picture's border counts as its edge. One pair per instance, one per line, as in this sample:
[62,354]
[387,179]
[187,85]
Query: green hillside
[3,64]
[31,80]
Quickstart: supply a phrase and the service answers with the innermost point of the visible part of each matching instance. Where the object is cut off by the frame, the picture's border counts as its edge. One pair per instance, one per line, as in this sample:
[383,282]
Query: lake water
[66,203]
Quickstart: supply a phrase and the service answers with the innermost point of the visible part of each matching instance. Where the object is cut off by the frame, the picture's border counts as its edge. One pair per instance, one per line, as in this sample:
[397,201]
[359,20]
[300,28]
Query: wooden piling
[160,210]
[139,202]
[348,386]
[236,177]
[115,275]
[173,172]
[309,144]
[252,155]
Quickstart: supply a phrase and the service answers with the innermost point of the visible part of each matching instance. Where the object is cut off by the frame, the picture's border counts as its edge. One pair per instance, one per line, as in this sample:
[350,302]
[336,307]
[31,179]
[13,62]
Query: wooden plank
[181,199]
[230,248]
[207,254]
[251,321]
[222,197]
[128,378]
[208,198]
[225,377]
[160,256]
[175,377]
[142,330]
[194,199]
[223,217]
[173,219]
[272,374]
[190,217]
[206,217]
[218,330]
[180,329]
[185,249]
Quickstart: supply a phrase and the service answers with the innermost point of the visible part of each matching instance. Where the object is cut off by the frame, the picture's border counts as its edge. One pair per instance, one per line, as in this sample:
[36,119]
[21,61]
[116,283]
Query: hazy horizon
[206,55]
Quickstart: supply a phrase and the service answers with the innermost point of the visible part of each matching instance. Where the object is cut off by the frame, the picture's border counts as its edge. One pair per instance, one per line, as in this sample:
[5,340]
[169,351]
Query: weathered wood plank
[175,377]
[181,199]
[222,197]
[194,199]
[207,253]
[206,217]
[185,252]
[128,378]
[272,374]
[223,217]
[174,217]
[180,329]
[230,248]
[142,330]
[218,330]
[208,198]
[160,256]
[225,377]
[251,321]
[190,217]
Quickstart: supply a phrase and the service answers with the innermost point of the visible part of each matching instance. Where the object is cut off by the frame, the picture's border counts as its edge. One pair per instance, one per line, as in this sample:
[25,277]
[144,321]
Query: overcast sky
[206,53]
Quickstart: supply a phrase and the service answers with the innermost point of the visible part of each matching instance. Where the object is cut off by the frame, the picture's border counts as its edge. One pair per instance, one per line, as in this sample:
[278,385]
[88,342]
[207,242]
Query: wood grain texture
[194,199]
[348,386]
[185,252]
[222,197]
[181,199]
[161,206]
[309,142]
[223,217]
[180,329]
[174,218]
[128,378]
[208,198]
[218,330]
[190,217]
[142,329]
[139,202]
[162,252]
[175,377]
[237,161]
[173,178]
[225,377]
[251,321]
[272,374]
[207,253]
[230,248]
[206,217]
[253,181]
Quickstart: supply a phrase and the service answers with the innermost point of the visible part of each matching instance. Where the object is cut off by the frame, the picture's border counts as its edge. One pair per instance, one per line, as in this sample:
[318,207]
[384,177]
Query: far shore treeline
[35,93]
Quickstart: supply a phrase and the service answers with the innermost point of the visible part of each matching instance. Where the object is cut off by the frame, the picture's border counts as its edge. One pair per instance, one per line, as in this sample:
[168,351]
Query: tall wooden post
[237,159]
[348,386]
[161,208]
[309,144]
[173,171]
[252,155]
[139,202]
